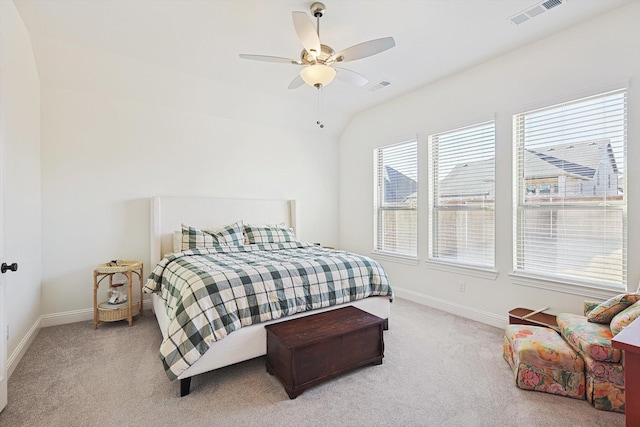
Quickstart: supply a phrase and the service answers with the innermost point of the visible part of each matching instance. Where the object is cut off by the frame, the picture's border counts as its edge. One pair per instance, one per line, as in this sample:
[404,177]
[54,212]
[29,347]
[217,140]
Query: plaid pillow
[229,235]
[268,234]
[193,238]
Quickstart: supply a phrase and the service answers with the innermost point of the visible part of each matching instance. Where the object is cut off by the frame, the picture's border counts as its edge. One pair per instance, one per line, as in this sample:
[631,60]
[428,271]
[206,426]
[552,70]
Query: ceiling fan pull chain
[319,122]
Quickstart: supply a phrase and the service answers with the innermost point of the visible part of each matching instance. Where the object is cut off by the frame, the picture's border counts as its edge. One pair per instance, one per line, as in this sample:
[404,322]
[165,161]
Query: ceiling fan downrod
[317,10]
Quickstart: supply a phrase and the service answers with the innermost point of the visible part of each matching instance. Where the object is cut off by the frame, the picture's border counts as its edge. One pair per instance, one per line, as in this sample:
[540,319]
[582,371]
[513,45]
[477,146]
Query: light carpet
[439,370]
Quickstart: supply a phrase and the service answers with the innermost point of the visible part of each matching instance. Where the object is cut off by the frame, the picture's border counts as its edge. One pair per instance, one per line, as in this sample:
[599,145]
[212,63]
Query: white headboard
[168,213]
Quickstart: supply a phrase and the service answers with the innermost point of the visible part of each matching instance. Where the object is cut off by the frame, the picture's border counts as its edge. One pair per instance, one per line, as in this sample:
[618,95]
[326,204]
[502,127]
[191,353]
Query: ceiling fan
[318,60]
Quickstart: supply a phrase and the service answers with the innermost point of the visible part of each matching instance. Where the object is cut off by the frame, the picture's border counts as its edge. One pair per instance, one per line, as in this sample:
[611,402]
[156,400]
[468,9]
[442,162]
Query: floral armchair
[590,336]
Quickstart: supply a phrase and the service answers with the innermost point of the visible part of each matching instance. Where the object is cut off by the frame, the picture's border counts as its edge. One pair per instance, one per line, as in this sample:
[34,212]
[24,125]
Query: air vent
[535,10]
[381,84]
[519,19]
[550,4]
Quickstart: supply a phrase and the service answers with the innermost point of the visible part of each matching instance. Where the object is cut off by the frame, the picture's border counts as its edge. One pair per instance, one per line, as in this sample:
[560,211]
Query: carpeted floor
[438,370]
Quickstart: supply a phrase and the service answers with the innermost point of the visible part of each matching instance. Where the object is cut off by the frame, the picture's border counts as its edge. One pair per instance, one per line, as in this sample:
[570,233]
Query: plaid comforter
[212,292]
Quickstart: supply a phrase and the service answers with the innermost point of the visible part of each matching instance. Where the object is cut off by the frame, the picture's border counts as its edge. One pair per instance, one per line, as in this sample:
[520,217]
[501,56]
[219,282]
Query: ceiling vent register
[535,10]
[381,84]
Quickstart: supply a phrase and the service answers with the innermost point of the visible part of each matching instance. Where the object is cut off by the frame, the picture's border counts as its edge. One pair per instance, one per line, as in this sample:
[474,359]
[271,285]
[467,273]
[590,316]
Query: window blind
[461,195]
[395,202]
[570,205]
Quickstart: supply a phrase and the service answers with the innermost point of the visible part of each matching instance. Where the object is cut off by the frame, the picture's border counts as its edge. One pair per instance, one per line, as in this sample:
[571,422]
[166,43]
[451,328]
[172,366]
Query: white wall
[116,131]
[577,62]
[20,142]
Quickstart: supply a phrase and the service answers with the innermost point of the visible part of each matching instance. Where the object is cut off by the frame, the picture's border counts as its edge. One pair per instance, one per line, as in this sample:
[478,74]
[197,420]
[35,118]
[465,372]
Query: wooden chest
[305,351]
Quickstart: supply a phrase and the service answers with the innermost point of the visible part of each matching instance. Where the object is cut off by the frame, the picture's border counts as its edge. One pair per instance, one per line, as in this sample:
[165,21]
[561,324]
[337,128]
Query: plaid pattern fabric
[268,234]
[193,238]
[212,292]
[228,235]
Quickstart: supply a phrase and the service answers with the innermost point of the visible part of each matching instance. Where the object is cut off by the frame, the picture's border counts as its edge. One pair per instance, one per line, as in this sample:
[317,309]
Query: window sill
[400,259]
[467,270]
[580,289]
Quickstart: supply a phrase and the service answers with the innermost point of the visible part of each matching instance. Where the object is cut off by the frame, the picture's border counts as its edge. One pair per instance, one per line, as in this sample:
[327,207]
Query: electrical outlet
[462,287]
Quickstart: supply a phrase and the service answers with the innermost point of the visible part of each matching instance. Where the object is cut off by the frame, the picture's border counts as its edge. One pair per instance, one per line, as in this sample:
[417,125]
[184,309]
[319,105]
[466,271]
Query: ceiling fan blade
[306,33]
[296,83]
[270,59]
[364,49]
[350,77]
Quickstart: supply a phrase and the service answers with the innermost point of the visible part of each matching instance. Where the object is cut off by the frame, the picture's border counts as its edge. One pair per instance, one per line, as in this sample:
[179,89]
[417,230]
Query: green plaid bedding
[268,234]
[212,292]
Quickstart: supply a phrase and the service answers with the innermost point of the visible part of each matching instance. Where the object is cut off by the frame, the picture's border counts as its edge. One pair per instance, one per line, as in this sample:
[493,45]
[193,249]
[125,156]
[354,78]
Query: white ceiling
[434,38]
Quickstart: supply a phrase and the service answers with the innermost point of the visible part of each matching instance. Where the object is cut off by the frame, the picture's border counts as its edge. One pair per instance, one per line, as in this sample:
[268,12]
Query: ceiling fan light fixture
[318,75]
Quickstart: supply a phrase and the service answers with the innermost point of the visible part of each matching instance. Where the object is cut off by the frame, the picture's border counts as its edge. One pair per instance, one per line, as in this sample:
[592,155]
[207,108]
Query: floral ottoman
[541,360]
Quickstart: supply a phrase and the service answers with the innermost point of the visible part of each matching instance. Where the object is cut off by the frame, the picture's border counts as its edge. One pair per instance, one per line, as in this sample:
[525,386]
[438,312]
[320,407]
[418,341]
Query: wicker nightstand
[103,312]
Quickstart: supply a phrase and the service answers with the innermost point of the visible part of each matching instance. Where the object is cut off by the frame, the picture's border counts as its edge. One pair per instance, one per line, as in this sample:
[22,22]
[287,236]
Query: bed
[248,339]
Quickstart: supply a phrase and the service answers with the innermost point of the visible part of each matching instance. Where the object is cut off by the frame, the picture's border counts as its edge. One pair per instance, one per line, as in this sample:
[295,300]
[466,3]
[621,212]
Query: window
[395,201]
[461,196]
[577,233]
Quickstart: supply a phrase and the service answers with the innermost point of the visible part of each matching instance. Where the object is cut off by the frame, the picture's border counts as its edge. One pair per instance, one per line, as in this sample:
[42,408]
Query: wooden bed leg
[385,325]
[185,385]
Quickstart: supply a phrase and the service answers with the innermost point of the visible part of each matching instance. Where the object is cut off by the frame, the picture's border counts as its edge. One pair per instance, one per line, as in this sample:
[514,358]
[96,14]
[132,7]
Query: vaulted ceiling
[434,38]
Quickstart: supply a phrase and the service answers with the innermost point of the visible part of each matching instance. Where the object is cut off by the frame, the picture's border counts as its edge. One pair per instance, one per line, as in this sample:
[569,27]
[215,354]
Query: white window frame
[566,282]
[379,249]
[464,143]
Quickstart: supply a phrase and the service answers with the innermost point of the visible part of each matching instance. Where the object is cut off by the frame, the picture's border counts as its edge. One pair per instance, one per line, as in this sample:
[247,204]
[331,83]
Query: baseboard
[73,316]
[453,308]
[23,346]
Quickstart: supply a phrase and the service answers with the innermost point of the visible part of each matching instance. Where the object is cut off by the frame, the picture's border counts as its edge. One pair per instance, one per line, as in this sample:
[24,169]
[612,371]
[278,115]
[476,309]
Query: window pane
[574,243]
[465,236]
[462,191]
[398,231]
[396,177]
[571,210]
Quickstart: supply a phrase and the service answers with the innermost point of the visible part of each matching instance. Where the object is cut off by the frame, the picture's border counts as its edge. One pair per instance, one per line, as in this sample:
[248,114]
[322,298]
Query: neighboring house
[469,181]
[398,188]
[578,170]
[398,213]
[586,169]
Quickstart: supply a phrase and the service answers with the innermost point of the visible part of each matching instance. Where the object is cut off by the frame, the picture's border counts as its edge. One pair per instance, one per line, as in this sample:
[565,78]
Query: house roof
[580,160]
[469,179]
[397,186]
